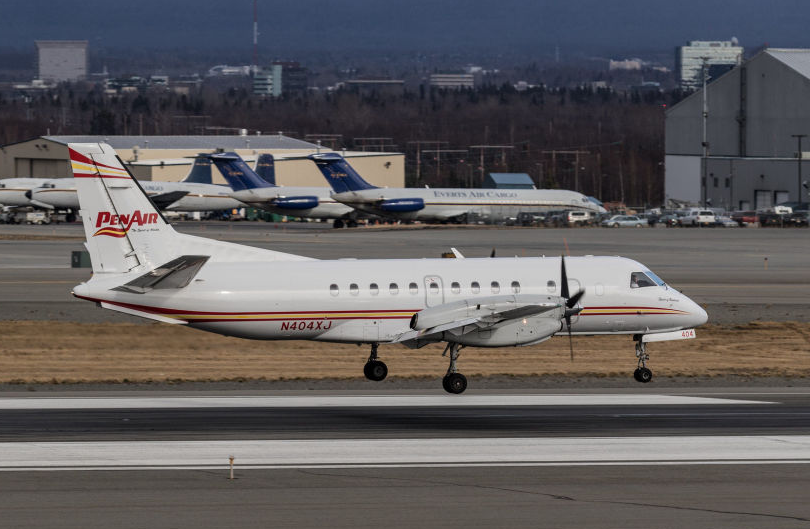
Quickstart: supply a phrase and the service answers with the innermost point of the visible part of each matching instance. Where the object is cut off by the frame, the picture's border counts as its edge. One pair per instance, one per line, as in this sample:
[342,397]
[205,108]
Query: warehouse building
[757,116]
[169,158]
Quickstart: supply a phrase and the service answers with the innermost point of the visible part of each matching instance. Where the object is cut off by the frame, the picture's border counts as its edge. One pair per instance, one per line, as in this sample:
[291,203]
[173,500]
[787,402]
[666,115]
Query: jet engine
[402,205]
[300,202]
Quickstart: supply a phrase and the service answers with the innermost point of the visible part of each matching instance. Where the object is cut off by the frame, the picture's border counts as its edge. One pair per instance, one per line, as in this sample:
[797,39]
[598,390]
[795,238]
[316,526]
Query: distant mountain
[585,26]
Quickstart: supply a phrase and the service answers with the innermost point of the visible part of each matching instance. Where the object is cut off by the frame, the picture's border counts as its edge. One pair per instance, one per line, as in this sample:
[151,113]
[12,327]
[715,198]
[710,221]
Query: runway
[597,458]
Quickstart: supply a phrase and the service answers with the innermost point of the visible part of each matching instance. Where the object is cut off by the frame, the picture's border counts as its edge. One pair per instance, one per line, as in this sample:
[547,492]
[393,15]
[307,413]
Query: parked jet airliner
[141,266]
[442,204]
[195,192]
[261,191]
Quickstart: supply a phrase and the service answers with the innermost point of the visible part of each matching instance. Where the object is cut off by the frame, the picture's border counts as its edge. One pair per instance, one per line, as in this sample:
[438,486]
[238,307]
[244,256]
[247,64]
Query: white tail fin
[123,228]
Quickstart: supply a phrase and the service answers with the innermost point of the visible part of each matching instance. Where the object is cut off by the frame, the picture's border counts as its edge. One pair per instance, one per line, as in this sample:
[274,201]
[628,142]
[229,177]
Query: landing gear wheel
[375,370]
[337,224]
[351,223]
[644,375]
[454,383]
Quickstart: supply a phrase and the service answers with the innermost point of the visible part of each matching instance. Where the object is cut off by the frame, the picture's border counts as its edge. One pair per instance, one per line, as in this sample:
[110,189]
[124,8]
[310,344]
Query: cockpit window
[640,280]
[658,280]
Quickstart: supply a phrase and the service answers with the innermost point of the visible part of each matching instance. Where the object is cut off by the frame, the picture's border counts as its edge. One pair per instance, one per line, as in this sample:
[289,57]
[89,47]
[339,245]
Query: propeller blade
[492,254]
[563,279]
[573,300]
[570,340]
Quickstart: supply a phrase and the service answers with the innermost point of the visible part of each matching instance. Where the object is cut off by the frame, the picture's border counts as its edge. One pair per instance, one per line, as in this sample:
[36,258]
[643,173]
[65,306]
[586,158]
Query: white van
[699,217]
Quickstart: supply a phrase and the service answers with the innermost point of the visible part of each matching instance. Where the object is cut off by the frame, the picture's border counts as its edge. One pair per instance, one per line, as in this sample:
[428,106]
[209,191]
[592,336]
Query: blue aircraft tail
[238,174]
[340,175]
[266,168]
[200,171]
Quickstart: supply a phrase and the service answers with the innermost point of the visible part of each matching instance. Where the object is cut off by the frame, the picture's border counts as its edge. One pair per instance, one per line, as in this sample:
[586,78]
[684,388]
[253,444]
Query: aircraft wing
[449,319]
[164,200]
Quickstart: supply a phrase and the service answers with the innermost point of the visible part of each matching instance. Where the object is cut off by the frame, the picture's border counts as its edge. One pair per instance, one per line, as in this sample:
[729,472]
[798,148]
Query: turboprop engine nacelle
[494,321]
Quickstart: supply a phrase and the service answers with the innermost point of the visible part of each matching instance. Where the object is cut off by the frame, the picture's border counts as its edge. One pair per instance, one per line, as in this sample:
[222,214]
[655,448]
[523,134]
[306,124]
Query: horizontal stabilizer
[177,273]
[164,200]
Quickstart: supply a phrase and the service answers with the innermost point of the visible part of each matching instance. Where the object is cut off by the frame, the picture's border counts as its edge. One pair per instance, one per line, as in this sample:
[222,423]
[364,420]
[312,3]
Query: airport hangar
[169,158]
[754,113]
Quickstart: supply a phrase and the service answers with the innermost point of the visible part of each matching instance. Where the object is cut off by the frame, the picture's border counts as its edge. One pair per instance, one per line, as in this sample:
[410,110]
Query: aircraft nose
[697,316]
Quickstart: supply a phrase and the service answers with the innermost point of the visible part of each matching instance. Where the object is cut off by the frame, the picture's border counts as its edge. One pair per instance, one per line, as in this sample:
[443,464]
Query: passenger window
[333,289]
[434,288]
[374,289]
[455,288]
[551,286]
[354,289]
[495,287]
[640,280]
[515,287]
[393,289]
[413,288]
[475,287]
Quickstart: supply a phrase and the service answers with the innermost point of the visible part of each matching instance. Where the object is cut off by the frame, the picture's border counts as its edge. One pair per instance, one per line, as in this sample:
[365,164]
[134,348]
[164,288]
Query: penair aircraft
[141,266]
[261,191]
[453,204]
[195,192]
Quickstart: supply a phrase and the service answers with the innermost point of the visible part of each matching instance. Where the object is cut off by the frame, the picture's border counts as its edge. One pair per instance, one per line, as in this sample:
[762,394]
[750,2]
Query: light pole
[799,166]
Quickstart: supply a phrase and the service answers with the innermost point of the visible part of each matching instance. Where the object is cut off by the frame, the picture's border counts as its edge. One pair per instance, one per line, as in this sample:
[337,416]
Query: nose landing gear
[642,374]
[375,369]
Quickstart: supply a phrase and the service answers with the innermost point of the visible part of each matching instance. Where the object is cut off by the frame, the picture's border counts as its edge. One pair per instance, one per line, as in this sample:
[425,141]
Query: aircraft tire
[635,374]
[454,383]
[644,375]
[337,224]
[375,370]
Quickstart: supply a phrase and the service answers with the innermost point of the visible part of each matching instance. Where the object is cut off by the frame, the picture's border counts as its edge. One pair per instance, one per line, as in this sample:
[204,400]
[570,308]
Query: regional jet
[13,190]
[195,192]
[261,192]
[142,266]
[442,204]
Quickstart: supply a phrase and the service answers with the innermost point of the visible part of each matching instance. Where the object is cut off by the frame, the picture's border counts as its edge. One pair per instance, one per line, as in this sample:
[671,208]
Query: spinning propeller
[571,308]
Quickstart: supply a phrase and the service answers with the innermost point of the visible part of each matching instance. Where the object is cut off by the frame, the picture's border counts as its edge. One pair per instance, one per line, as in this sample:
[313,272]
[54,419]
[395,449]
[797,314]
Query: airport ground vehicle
[37,217]
[581,218]
[623,221]
[699,217]
[744,218]
[799,218]
[725,221]
[142,267]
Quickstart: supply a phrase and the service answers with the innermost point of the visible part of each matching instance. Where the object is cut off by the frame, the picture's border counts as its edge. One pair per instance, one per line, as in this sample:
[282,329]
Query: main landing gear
[642,374]
[453,381]
[375,369]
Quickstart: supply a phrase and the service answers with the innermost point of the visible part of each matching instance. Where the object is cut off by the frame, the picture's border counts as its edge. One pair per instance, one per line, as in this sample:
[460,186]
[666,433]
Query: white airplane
[13,190]
[194,193]
[294,201]
[141,266]
[442,204]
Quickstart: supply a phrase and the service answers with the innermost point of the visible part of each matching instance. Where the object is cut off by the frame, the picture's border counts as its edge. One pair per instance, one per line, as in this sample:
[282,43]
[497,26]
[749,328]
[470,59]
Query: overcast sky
[590,26]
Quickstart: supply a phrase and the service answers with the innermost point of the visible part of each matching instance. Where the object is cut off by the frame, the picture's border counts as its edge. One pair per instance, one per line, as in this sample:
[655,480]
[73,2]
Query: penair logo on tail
[114,225]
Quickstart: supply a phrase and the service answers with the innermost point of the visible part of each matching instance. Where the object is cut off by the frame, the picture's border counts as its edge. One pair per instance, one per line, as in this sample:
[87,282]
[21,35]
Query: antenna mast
[255,35]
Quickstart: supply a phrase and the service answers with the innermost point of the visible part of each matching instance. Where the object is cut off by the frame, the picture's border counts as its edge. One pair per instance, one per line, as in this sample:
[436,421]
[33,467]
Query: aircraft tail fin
[266,168]
[238,174]
[124,229]
[340,175]
[200,172]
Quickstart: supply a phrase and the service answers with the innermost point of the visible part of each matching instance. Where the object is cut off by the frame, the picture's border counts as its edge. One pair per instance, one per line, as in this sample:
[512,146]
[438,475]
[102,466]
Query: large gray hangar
[757,115]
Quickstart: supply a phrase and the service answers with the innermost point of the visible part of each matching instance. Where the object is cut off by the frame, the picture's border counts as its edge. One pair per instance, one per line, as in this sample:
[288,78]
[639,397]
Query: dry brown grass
[70,352]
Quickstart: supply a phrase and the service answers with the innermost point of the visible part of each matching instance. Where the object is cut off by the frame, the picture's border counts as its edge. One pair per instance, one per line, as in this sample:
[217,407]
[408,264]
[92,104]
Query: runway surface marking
[354,401]
[685,450]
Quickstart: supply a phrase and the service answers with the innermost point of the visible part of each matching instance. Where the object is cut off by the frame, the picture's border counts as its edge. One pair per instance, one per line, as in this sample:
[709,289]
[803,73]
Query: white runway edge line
[380,453]
[355,401]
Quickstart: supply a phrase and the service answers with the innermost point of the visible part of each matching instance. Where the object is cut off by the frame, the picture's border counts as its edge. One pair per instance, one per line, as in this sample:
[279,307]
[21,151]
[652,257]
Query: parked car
[623,221]
[699,217]
[772,218]
[525,218]
[799,218]
[724,221]
[744,218]
[582,218]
